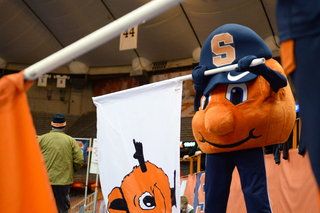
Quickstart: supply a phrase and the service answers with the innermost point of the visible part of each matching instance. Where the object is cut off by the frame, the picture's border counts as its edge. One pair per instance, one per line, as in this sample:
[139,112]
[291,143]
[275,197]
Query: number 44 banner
[128,39]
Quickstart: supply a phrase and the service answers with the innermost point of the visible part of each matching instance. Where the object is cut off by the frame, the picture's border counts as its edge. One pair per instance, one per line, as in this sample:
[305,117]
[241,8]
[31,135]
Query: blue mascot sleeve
[275,79]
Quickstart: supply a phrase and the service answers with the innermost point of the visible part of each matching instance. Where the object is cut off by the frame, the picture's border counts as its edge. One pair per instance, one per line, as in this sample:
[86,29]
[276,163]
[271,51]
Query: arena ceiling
[34,29]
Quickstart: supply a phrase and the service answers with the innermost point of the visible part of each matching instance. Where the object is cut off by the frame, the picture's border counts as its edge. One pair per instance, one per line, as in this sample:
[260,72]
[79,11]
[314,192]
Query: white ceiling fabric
[34,29]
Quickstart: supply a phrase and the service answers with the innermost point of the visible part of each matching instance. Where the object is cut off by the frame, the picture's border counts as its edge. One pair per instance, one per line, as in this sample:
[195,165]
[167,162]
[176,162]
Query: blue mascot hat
[244,42]
[231,77]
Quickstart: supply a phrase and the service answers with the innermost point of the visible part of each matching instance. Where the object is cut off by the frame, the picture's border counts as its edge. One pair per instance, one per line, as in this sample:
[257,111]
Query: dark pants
[61,194]
[306,81]
[251,168]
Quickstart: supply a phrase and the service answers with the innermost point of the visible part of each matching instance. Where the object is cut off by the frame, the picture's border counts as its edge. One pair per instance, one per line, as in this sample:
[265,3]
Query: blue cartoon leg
[251,167]
[219,168]
[306,81]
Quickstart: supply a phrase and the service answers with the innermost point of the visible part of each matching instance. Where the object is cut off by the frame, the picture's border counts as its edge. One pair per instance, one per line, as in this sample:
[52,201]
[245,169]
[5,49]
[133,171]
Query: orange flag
[24,183]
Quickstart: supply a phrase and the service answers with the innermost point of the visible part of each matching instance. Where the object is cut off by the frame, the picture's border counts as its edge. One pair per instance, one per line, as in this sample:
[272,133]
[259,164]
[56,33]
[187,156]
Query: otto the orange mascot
[237,113]
[145,189]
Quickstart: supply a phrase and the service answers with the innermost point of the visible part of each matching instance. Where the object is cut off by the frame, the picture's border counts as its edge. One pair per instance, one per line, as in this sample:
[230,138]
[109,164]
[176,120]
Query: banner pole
[98,37]
[96,193]
[255,62]
[87,175]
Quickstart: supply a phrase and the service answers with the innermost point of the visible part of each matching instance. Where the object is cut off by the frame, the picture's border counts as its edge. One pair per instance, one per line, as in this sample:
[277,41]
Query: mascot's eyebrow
[134,200]
[155,186]
[152,189]
[231,145]
[139,155]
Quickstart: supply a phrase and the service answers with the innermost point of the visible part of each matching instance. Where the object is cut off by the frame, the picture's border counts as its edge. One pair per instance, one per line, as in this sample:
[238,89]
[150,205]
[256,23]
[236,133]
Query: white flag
[138,134]
[61,80]
[42,80]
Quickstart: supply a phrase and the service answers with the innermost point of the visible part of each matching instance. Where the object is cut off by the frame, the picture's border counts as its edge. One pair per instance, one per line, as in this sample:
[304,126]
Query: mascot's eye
[147,201]
[237,93]
[205,101]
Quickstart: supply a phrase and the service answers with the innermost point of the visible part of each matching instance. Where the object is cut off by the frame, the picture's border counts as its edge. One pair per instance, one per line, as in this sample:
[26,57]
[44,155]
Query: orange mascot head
[244,108]
[145,189]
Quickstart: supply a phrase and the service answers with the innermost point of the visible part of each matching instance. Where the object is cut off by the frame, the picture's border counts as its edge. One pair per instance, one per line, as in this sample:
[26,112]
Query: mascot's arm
[200,83]
[200,80]
[275,79]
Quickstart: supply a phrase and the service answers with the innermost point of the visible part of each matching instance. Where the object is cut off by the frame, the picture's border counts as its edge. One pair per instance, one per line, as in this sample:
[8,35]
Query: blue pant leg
[219,168]
[251,167]
[306,79]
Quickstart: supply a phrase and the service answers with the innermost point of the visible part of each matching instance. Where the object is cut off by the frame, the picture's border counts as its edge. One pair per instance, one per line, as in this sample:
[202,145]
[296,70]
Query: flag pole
[98,37]
[255,62]
[87,174]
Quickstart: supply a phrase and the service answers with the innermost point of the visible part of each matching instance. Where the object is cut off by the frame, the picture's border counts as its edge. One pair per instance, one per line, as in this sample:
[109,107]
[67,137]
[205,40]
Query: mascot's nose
[219,120]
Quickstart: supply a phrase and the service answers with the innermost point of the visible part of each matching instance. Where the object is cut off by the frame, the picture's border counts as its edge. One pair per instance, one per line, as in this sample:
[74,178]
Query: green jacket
[62,156]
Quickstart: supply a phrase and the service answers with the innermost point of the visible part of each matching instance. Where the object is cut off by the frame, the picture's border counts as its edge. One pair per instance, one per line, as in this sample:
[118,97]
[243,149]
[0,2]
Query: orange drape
[292,186]
[24,183]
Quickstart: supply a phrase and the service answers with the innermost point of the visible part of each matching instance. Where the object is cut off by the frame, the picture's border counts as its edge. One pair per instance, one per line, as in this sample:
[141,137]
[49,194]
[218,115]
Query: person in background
[195,151]
[62,156]
[185,206]
[299,32]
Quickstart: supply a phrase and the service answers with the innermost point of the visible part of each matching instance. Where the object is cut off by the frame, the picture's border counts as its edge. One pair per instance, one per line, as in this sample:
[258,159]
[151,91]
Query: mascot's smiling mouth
[231,145]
